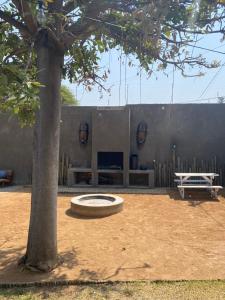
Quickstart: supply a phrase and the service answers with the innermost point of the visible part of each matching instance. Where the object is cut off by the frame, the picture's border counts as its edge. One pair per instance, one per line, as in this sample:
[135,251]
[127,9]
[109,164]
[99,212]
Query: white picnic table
[197,181]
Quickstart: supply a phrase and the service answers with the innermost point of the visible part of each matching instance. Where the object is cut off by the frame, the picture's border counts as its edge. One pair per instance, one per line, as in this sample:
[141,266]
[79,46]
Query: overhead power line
[203,48]
[184,43]
[211,81]
[172,89]
[200,100]
[181,101]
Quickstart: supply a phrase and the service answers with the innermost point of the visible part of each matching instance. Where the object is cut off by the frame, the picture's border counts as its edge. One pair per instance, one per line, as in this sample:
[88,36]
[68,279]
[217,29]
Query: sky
[157,88]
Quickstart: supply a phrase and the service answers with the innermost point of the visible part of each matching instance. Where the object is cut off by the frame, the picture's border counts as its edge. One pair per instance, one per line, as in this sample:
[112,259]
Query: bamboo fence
[164,172]
[64,162]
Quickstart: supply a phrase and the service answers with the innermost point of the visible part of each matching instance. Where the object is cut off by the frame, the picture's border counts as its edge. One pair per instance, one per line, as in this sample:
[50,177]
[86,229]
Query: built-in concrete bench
[213,188]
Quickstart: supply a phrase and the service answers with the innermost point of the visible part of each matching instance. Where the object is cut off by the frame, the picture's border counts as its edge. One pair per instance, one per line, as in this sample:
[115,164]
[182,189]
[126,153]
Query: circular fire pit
[96,205]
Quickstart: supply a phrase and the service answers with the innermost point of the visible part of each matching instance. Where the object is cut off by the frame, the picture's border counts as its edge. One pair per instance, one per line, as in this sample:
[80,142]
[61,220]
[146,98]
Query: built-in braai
[110,160]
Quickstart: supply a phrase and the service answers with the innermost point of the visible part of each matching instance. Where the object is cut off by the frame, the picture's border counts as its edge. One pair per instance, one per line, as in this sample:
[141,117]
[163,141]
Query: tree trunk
[41,251]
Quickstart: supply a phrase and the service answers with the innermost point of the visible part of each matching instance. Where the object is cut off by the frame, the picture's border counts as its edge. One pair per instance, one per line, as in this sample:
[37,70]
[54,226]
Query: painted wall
[15,149]
[80,155]
[197,130]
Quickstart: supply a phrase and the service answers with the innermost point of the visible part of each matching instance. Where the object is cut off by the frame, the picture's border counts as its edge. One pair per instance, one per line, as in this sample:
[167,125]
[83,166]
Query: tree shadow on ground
[68,259]
[9,256]
[87,274]
[10,271]
[121,268]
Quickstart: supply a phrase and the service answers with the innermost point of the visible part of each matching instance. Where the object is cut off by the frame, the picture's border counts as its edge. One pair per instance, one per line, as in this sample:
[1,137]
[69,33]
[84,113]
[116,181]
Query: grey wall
[80,155]
[15,149]
[198,130]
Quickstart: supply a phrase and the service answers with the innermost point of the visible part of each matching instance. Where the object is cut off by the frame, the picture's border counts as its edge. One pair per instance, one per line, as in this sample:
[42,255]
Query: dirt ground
[155,237]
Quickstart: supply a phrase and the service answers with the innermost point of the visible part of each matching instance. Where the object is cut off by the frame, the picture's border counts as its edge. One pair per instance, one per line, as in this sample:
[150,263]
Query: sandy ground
[154,237]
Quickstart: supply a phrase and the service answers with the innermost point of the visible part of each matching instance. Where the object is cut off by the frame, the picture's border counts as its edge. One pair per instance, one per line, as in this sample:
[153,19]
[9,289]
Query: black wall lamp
[141,133]
[83,133]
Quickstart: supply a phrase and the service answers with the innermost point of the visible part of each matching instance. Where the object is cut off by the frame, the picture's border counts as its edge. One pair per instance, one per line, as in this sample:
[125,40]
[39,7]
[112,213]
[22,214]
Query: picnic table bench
[197,181]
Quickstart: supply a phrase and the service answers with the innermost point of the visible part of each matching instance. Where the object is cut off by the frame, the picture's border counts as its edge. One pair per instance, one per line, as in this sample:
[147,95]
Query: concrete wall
[15,149]
[198,130]
[80,155]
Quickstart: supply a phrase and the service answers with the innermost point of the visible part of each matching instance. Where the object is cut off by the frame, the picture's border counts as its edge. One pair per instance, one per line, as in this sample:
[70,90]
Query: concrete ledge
[112,190]
[97,190]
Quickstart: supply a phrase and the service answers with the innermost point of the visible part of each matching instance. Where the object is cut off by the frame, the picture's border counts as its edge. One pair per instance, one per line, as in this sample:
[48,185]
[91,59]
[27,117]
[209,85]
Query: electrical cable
[172,90]
[211,81]
[125,78]
[140,73]
[120,77]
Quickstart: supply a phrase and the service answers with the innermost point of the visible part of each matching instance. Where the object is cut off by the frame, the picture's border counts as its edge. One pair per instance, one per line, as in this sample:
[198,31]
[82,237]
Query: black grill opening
[110,160]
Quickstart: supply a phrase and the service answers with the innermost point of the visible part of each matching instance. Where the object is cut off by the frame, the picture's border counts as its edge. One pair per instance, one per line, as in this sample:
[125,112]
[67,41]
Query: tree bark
[41,251]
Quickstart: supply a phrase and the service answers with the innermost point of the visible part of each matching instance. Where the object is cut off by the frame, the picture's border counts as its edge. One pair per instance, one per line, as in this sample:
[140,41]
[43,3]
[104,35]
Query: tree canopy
[157,33]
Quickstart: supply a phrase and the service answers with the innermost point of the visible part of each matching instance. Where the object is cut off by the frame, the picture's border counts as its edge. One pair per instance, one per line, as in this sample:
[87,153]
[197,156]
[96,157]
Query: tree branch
[55,8]
[57,44]
[16,52]
[73,4]
[188,60]
[80,32]
[9,19]
[84,27]
[69,6]
[25,12]
[47,38]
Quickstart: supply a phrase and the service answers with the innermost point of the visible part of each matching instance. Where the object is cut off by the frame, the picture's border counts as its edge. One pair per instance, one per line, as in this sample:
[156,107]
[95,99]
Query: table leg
[212,193]
[181,190]
[215,193]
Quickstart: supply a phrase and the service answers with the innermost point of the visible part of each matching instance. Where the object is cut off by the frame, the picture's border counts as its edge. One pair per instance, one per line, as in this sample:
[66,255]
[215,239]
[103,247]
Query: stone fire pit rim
[80,200]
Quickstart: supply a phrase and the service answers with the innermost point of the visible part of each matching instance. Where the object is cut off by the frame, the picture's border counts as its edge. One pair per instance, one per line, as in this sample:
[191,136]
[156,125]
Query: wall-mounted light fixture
[83,133]
[141,133]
